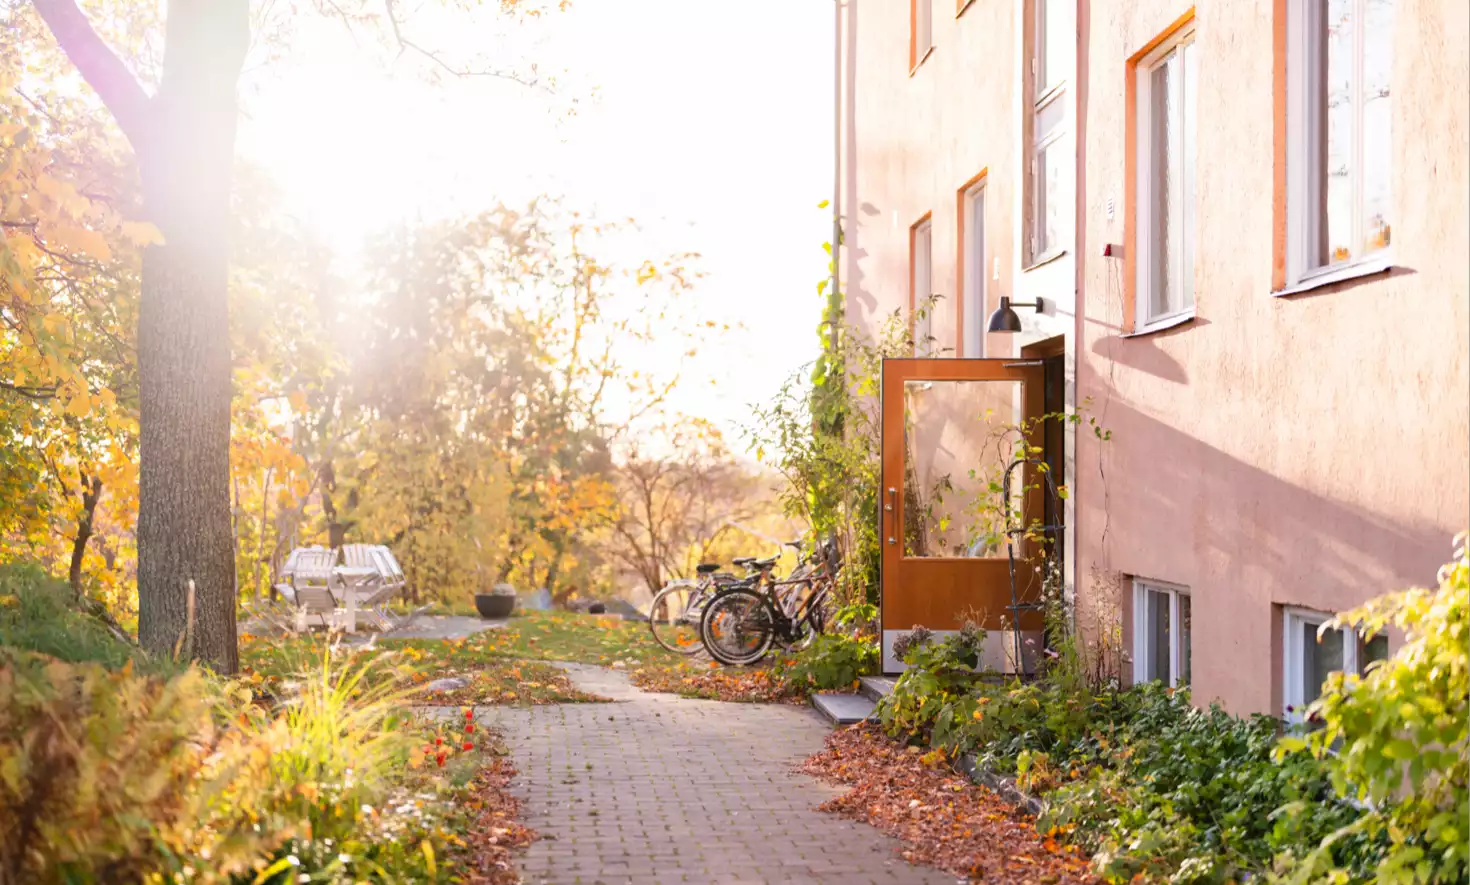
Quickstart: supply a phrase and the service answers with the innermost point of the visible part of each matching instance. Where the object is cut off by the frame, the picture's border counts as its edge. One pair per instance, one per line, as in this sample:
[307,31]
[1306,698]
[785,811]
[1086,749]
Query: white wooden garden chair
[373,594]
[392,587]
[358,555]
[308,584]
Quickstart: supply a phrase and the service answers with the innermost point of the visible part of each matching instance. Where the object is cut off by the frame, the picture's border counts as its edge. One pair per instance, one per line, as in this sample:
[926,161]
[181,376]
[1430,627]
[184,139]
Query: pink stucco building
[1248,226]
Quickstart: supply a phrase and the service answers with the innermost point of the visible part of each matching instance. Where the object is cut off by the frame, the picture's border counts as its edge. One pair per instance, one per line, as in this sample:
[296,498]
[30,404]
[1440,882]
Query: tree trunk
[185,146]
[91,489]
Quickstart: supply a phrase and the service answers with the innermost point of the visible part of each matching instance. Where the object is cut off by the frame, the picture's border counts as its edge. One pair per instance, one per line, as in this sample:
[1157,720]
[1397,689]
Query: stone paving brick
[655,789]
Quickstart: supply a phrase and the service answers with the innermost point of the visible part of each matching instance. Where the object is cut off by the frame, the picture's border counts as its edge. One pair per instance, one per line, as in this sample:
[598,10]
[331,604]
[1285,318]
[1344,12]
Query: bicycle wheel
[737,628]
[674,621]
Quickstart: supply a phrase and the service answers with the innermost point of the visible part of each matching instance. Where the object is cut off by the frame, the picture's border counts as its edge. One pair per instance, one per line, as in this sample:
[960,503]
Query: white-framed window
[1164,219]
[923,36]
[1339,125]
[1162,633]
[975,279]
[923,287]
[1309,654]
[1049,63]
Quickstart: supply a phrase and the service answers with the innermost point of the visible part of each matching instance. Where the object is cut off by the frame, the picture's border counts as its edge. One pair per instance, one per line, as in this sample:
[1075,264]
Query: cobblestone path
[655,789]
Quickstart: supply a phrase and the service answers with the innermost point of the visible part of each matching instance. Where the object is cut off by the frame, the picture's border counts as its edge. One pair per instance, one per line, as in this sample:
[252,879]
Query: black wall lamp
[1005,318]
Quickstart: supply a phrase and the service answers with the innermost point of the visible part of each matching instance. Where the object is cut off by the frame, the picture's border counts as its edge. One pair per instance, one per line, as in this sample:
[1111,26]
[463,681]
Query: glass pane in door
[959,436]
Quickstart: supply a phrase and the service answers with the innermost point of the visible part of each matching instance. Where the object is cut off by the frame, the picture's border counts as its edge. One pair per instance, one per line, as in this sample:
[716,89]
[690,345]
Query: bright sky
[711,124]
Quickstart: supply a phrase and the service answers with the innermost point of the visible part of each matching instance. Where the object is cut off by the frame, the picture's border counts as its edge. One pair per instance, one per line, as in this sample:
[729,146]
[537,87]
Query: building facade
[1247,227]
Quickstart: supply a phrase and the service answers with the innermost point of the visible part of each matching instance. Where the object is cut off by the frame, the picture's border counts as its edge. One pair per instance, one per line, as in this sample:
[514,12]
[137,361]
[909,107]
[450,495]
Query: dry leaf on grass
[753,685]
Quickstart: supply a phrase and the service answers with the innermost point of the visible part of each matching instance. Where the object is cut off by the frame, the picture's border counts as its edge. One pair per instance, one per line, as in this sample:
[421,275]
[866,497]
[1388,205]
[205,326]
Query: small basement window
[1161,633]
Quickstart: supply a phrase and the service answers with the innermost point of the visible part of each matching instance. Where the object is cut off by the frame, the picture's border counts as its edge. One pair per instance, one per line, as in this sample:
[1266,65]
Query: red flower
[468,746]
[470,728]
[438,742]
[440,758]
[469,713]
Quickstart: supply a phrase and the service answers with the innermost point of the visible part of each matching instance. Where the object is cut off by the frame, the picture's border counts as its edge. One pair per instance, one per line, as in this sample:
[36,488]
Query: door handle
[890,514]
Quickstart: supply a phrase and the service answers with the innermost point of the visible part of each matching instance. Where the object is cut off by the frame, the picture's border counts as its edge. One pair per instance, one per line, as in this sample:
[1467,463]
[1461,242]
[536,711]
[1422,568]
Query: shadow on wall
[853,287]
[1143,354]
[1188,511]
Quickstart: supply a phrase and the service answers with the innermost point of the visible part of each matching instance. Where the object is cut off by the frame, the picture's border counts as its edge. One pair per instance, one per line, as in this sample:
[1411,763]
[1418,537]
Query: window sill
[1364,268]
[1161,325]
[1044,259]
[920,63]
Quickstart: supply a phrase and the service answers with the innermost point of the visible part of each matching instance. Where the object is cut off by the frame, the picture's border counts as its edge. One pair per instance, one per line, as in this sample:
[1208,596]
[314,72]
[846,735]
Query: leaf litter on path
[495,829]
[943,819]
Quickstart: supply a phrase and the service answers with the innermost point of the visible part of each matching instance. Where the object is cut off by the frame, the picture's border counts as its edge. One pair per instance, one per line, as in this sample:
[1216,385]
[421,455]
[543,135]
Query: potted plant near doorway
[499,602]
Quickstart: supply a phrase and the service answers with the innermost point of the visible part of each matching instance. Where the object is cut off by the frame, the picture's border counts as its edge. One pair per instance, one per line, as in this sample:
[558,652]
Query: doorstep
[876,688]
[843,709]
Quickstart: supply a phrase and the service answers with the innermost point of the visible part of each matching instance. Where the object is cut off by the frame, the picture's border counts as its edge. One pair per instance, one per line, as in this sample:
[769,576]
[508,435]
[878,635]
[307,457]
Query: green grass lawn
[572,636]
[506,665]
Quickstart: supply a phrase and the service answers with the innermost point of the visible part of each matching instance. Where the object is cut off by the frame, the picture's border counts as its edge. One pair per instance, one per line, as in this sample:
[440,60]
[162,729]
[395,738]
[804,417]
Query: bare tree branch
[407,45]
[35,393]
[99,66]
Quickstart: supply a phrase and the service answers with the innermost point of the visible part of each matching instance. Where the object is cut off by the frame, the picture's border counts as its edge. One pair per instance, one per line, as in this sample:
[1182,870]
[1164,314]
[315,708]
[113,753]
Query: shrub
[832,661]
[1188,794]
[860,617]
[1050,718]
[1152,786]
[1395,739]
[117,776]
[94,761]
[326,777]
[935,695]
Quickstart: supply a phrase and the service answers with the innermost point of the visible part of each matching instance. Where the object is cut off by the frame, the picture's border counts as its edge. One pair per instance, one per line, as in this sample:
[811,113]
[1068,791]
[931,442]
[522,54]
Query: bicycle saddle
[752,562]
[794,545]
[705,568]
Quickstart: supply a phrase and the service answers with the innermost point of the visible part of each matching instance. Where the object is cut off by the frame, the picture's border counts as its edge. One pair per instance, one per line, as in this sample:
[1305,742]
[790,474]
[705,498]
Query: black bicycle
[742,622]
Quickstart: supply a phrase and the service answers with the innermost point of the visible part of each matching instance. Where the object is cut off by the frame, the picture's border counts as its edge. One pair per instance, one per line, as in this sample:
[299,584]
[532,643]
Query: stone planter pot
[498,603]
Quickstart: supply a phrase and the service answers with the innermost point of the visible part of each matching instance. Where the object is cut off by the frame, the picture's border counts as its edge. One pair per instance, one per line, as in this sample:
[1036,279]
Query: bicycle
[676,609]
[674,613]
[741,623]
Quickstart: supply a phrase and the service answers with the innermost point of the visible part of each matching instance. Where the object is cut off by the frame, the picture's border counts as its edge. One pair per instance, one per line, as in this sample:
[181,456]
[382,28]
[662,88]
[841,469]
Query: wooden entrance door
[949,429]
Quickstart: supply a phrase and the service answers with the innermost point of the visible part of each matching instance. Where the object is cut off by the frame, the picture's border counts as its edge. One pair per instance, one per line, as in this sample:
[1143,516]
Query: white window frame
[923,30]
[1142,635]
[1294,659]
[1043,95]
[1044,84]
[1304,94]
[976,292]
[922,285]
[1144,198]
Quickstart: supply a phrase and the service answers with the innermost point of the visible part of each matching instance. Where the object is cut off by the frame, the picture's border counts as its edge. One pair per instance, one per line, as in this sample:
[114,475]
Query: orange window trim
[913,254]
[1278,146]
[917,58]
[913,37]
[1130,167]
[959,261]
